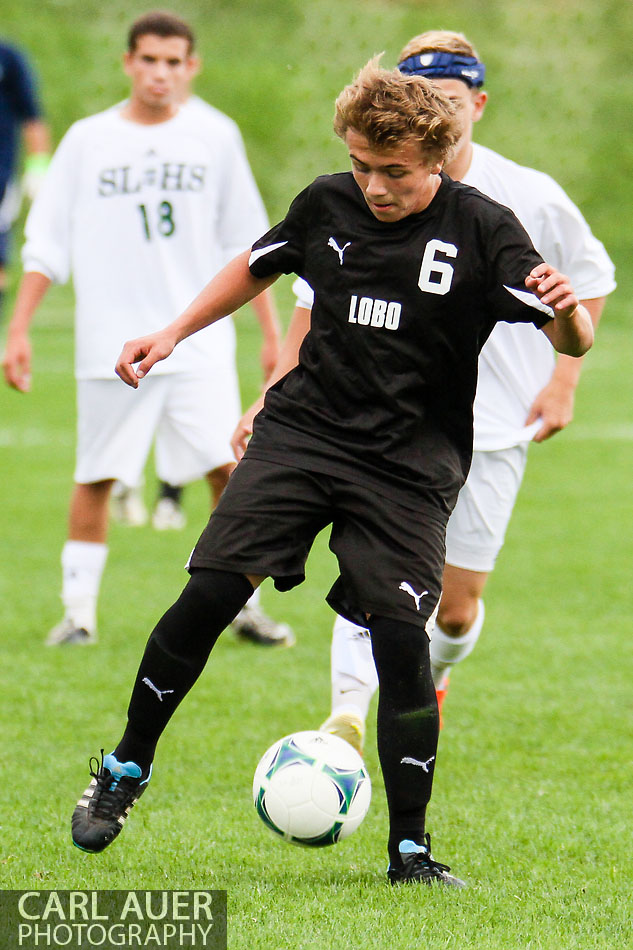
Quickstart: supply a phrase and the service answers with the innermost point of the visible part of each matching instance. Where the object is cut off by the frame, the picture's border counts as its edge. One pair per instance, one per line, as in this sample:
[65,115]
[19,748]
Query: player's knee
[456,617]
[208,586]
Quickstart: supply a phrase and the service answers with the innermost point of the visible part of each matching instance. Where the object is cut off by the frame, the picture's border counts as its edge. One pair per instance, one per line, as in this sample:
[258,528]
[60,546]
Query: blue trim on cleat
[410,847]
[111,762]
[121,769]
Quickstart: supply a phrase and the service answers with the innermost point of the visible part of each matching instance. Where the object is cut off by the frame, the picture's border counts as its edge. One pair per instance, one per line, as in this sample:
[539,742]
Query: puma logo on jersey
[159,692]
[370,312]
[407,760]
[339,250]
[410,591]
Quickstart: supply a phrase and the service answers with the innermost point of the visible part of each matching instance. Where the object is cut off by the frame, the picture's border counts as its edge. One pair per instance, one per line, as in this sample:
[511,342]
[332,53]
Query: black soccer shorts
[390,558]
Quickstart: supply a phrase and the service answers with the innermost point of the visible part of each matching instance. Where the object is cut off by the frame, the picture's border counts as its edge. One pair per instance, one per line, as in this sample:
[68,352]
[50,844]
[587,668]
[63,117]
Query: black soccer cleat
[418,866]
[102,809]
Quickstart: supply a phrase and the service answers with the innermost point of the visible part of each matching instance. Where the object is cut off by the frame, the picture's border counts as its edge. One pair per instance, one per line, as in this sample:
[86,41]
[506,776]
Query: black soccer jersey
[386,379]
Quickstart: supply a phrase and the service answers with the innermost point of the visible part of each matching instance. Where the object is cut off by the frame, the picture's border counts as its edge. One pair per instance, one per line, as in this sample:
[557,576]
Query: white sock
[354,678]
[447,651]
[82,566]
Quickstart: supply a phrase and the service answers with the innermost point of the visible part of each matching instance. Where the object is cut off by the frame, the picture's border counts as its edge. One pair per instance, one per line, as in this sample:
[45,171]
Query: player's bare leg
[88,519]
[459,622]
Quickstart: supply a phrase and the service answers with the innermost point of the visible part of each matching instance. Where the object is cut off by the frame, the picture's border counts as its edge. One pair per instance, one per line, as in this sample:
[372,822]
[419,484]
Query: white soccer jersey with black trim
[387,375]
[143,216]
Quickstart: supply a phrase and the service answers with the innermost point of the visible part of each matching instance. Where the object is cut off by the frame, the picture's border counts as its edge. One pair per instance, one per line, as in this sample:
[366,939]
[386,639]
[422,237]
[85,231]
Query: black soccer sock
[408,726]
[173,492]
[175,655]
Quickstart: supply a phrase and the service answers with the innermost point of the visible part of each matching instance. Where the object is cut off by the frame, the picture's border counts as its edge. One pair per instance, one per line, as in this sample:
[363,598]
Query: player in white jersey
[127,504]
[140,204]
[523,394]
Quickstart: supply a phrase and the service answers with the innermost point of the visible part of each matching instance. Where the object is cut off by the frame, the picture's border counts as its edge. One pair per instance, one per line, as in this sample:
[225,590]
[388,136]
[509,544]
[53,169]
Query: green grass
[532,794]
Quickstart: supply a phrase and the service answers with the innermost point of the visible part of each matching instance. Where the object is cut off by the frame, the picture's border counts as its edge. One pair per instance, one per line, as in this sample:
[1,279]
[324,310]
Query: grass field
[532,793]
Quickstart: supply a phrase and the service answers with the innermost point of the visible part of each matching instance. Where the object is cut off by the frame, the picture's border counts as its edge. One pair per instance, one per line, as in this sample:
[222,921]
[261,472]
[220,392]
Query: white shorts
[477,527]
[191,418]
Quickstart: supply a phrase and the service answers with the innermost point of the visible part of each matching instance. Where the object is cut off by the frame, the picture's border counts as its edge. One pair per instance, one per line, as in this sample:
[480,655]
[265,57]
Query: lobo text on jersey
[374,313]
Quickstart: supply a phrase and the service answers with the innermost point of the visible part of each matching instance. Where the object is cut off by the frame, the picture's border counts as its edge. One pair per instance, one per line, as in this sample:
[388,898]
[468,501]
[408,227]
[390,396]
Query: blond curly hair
[389,108]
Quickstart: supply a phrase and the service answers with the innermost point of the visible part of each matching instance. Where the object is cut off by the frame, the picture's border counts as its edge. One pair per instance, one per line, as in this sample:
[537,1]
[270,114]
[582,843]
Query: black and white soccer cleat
[102,809]
[419,867]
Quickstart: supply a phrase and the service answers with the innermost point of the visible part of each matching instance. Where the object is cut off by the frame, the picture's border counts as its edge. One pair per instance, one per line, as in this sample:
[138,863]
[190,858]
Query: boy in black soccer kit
[371,432]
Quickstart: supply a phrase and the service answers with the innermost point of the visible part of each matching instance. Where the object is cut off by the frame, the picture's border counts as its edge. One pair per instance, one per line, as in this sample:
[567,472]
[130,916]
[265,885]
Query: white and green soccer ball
[311,788]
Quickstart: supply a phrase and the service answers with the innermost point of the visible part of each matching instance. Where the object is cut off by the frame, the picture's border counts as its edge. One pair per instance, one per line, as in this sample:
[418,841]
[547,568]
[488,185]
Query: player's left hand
[553,289]
[554,406]
[16,362]
[145,351]
[244,429]
[269,355]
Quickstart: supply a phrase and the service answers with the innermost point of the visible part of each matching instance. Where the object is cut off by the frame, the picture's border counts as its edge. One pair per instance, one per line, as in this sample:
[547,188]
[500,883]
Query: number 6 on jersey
[431,266]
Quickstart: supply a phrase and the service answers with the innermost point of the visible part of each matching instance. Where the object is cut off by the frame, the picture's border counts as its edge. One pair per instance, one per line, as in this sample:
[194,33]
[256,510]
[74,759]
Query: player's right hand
[145,351]
[16,363]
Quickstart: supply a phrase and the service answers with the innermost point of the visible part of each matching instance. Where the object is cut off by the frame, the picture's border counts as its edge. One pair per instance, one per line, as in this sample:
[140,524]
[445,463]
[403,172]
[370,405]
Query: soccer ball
[311,788]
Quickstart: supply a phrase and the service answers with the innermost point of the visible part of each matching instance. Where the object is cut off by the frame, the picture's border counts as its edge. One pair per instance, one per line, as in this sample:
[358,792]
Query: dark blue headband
[445,66]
